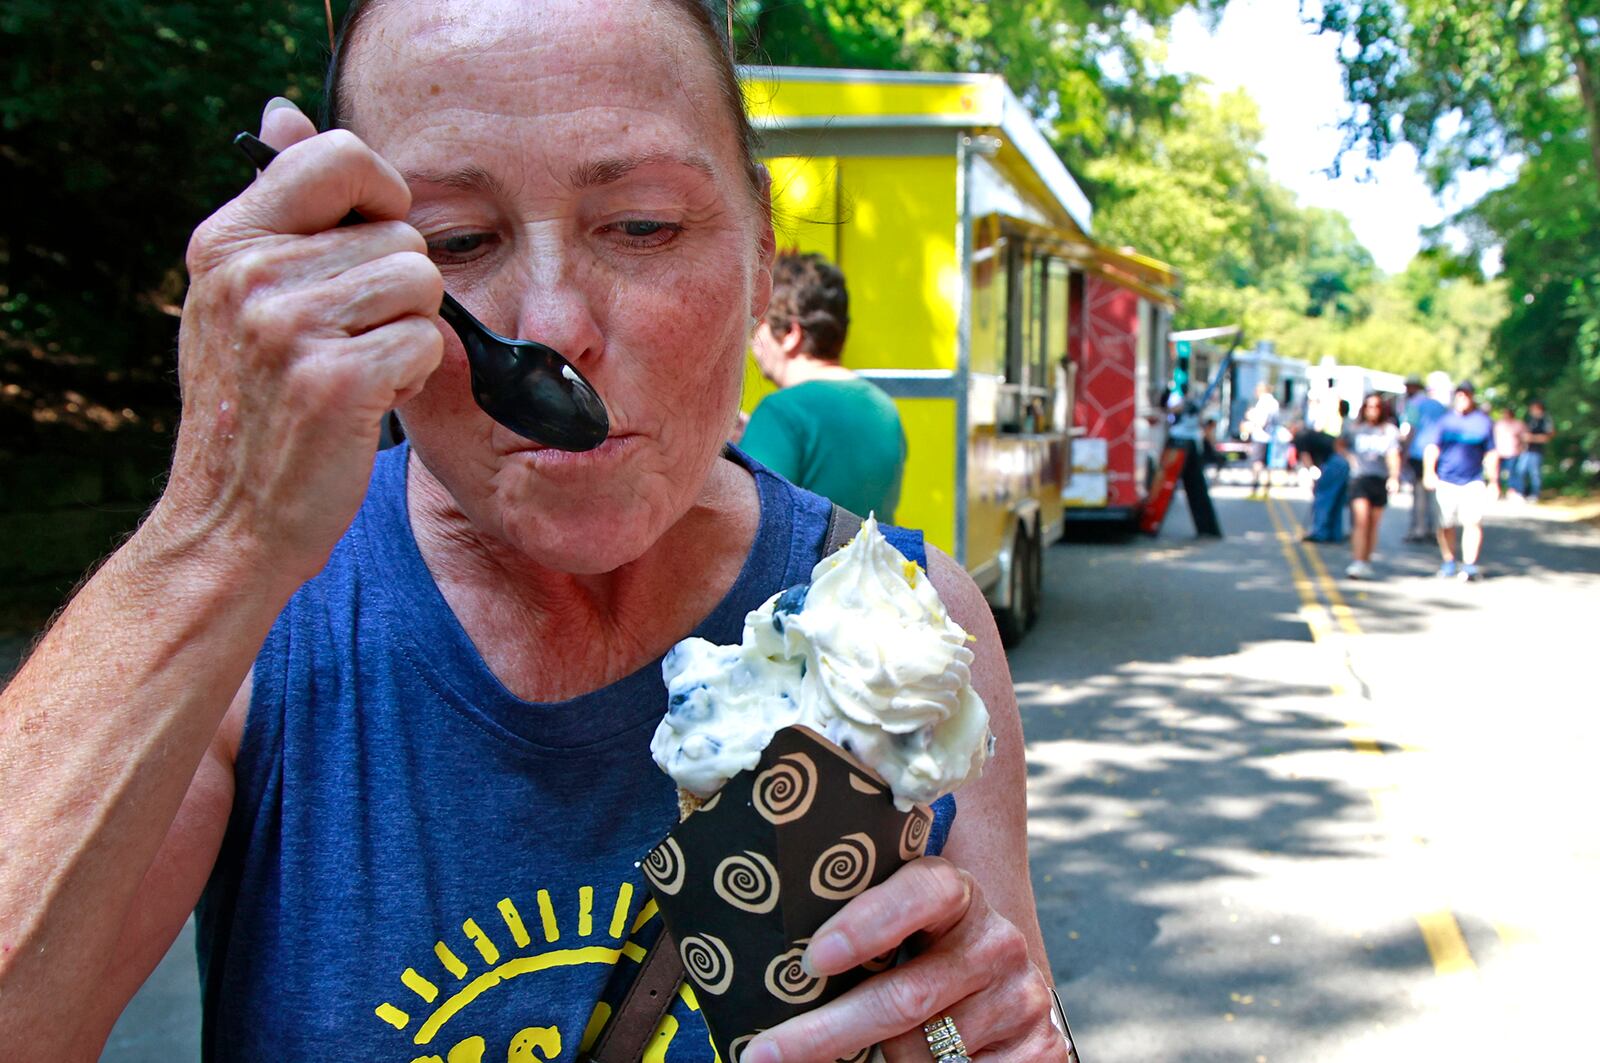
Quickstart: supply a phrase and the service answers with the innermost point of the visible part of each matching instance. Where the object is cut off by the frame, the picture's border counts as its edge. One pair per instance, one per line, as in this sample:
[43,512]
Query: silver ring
[944,1040]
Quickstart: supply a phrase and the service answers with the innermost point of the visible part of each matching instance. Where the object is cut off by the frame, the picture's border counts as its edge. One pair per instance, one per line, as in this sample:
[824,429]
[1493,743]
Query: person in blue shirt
[1458,464]
[1422,410]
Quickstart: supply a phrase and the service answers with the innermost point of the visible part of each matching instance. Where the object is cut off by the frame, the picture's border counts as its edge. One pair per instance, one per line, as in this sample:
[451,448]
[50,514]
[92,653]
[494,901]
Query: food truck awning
[804,98]
[825,106]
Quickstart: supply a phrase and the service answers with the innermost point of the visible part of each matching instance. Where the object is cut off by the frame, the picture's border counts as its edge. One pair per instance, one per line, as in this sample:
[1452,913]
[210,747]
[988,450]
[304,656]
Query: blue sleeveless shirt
[421,867]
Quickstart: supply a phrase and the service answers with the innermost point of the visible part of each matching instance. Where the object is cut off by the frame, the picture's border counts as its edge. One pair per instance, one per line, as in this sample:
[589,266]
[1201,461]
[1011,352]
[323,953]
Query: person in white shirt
[1260,427]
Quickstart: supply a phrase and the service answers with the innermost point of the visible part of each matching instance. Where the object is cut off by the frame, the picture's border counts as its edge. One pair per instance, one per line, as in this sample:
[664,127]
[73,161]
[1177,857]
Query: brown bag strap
[627,1034]
[842,527]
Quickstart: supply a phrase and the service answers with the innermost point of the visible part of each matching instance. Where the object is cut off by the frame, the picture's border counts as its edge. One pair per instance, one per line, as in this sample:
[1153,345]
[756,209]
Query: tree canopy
[1467,82]
[1475,83]
[1087,68]
[117,122]
[1195,190]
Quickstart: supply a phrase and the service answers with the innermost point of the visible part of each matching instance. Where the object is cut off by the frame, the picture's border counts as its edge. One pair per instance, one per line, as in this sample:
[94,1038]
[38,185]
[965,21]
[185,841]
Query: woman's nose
[555,307]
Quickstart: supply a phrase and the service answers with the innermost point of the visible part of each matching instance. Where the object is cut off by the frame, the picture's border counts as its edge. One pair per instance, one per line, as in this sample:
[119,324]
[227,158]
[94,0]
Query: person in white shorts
[1458,454]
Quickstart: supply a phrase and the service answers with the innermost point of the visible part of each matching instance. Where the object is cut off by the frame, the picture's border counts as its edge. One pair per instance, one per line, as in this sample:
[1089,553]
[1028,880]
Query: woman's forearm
[100,735]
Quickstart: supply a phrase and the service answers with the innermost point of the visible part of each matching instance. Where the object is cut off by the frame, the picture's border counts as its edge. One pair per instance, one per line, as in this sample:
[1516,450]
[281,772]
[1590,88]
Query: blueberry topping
[690,705]
[789,602]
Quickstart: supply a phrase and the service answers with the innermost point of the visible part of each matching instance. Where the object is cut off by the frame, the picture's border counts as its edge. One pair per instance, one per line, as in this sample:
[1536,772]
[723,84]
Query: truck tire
[1012,618]
[1035,581]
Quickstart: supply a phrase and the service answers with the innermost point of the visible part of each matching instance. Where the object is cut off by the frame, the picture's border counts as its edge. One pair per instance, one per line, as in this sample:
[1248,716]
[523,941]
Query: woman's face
[575,171]
[1372,411]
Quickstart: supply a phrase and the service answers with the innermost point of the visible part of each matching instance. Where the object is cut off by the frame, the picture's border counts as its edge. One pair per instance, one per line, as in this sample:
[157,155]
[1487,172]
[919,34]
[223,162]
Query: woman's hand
[298,336]
[971,964]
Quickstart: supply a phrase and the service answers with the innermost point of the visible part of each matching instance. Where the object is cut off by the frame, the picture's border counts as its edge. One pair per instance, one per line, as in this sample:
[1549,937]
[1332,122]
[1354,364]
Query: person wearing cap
[1457,454]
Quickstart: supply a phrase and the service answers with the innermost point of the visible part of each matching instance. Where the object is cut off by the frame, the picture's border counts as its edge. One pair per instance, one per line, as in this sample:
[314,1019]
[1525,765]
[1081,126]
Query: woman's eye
[458,247]
[643,232]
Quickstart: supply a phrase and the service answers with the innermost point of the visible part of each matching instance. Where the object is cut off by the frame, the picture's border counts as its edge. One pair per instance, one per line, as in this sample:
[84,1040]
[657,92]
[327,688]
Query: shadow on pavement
[1167,748]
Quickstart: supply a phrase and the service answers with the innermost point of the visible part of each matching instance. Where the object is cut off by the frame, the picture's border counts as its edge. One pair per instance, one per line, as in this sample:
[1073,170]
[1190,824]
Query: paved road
[1282,817]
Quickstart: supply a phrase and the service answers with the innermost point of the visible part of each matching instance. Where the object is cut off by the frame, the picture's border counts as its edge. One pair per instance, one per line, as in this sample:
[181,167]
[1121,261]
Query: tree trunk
[1588,89]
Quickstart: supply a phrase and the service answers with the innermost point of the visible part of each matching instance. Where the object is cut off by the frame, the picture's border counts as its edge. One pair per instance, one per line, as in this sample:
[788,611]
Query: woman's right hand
[298,336]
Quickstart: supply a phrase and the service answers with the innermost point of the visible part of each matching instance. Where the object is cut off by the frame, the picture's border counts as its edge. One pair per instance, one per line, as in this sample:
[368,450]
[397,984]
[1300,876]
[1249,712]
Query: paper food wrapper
[744,882]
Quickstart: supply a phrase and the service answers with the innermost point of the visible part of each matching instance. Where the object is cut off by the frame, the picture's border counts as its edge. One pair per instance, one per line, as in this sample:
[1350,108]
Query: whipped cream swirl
[865,654]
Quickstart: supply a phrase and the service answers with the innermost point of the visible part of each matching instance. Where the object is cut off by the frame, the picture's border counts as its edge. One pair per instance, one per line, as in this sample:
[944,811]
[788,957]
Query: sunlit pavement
[1278,815]
[1255,844]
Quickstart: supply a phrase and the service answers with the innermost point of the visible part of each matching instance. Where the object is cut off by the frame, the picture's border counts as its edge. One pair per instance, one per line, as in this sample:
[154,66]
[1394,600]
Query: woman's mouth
[549,458]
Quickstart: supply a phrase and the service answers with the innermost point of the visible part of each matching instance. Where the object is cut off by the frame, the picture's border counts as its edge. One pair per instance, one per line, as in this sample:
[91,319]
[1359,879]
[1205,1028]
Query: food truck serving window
[1018,344]
[1056,363]
[1029,376]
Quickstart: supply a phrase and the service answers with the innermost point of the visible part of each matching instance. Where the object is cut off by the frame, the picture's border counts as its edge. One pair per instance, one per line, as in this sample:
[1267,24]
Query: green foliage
[1196,192]
[1466,82]
[1086,67]
[1471,82]
[1549,343]
[117,117]
[1193,191]
[1337,267]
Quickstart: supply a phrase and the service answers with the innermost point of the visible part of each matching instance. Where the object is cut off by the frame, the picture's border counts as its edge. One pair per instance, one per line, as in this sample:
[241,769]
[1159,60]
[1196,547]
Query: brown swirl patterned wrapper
[744,882]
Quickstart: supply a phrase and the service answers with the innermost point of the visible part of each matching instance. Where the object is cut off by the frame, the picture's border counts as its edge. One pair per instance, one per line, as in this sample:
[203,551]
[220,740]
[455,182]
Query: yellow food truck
[965,244]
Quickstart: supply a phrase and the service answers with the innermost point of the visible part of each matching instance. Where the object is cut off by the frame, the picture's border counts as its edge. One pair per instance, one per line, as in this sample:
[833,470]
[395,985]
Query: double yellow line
[1328,619]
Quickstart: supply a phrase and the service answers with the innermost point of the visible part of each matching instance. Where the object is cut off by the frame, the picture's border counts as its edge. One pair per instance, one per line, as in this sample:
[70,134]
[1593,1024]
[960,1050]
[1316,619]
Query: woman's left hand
[972,964]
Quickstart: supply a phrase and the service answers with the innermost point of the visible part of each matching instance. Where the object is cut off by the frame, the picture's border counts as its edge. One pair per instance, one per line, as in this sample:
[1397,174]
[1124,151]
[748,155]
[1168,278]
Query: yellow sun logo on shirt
[480,960]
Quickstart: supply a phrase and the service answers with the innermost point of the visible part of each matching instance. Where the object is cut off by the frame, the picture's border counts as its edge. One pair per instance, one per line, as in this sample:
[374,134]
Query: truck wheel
[1012,618]
[1035,583]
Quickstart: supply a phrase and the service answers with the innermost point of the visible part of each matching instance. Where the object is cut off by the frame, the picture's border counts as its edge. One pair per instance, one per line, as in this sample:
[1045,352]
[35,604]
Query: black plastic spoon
[526,386]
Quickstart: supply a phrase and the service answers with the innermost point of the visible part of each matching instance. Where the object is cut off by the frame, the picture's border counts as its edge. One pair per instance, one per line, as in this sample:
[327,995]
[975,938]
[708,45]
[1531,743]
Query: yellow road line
[1442,935]
[1446,944]
[1311,609]
[1341,611]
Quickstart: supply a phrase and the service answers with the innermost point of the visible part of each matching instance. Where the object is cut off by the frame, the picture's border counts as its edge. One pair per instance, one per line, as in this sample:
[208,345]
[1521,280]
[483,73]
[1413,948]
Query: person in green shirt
[826,430]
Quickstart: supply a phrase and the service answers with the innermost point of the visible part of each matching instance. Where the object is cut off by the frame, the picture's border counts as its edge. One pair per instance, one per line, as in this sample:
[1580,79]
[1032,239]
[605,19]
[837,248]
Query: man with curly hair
[827,430]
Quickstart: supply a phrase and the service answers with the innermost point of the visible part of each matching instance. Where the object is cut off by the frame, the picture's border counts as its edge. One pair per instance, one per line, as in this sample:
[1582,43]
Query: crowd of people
[1441,442]
[1520,442]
